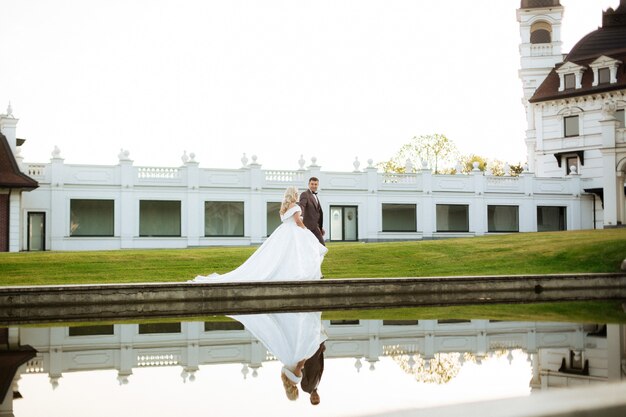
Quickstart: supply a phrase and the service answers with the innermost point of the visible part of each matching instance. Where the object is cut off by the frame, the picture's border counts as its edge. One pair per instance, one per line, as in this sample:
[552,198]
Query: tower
[540,51]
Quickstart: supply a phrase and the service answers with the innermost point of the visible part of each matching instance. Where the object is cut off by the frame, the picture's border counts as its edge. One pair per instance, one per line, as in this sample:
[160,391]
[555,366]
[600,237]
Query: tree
[467,163]
[435,149]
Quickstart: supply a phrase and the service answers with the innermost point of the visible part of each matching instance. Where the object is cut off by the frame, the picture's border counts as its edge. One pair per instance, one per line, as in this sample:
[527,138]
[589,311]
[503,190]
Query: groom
[312,215]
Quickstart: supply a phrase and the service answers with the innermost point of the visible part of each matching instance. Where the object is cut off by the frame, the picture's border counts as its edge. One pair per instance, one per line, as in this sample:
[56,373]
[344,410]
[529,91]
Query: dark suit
[312,214]
[313,369]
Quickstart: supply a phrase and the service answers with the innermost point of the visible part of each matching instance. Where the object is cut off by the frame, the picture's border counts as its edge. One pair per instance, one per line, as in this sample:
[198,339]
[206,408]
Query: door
[344,223]
[36,231]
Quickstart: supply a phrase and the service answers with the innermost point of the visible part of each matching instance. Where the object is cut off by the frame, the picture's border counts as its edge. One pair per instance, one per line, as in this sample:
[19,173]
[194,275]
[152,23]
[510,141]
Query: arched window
[540,32]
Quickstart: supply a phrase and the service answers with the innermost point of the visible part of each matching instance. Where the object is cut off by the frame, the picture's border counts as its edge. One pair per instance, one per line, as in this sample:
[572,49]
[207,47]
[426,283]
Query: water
[219,368]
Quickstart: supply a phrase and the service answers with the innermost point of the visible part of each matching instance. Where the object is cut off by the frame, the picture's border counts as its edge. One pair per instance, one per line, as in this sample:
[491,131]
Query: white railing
[502,181]
[158,173]
[284,176]
[36,170]
[393,178]
[542,49]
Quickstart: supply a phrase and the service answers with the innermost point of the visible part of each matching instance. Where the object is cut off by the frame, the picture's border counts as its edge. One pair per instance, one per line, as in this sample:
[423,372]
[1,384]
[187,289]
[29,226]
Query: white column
[128,208]
[615,349]
[195,208]
[621,200]
[609,177]
[371,214]
[257,210]
[59,210]
[478,209]
[15,220]
[429,220]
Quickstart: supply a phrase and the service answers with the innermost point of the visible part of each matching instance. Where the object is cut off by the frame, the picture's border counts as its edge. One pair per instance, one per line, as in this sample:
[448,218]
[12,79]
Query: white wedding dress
[291,253]
[290,337]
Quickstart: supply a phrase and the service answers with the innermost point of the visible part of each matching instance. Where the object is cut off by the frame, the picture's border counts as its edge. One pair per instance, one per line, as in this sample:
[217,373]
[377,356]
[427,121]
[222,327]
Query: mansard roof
[608,40]
[10,174]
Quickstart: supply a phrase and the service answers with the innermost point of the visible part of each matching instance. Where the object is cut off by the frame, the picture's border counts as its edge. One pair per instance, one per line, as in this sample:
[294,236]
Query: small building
[12,184]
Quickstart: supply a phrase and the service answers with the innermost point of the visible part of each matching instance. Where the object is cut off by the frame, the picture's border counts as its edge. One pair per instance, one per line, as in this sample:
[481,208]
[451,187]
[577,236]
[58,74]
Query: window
[540,32]
[551,218]
[273,217]
[452,218]
[222,326]
[223,218]
[619,115]
[155,328]
[570,81]
[399,218]
[571,161]
[91,218]
[97,330]
[571,126]
[159,218]
[604,76]
[503,219]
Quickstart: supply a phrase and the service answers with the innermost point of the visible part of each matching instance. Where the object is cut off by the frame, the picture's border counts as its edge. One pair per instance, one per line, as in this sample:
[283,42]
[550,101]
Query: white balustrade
[158,173]
[284,176]
[36,170]
[395,178]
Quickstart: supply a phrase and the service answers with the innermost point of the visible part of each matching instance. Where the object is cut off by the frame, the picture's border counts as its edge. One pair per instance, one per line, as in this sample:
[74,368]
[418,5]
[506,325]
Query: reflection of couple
[293,252]
[297,340]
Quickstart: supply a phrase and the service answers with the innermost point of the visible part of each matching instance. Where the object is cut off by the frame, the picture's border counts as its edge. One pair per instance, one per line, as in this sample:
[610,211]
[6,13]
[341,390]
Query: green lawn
[524,253]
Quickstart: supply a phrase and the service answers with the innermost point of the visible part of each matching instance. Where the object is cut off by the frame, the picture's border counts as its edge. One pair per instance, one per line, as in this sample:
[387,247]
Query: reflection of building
[125,347]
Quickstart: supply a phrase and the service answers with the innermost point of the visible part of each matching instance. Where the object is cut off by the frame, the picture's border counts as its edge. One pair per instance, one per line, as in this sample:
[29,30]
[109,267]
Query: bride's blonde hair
[291,196]
[291,390]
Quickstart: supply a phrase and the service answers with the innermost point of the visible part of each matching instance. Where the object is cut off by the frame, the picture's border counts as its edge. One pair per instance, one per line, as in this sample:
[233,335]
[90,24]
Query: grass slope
[524,253]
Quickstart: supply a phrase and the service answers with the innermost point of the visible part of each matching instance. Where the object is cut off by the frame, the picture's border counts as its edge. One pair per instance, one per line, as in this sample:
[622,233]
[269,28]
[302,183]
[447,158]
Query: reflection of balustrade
[283,176]
[158,173]
[36,170]
[167,359]
[35,366]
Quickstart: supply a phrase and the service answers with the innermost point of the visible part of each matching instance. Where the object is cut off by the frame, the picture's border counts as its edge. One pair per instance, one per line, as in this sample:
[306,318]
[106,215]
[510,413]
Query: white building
[581,125]
[575,103]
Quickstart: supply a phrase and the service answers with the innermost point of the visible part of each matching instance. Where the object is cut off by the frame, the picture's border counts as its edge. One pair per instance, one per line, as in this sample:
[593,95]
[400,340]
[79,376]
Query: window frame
[243,217]
[382,216]
[467,206]
[502,231]
[108,200]
[569,79]
[180,218]
[565,130]
[607,71]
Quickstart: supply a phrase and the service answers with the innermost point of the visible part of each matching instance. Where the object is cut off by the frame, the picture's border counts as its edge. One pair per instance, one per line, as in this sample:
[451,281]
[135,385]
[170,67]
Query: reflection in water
[295,339]
[412,364]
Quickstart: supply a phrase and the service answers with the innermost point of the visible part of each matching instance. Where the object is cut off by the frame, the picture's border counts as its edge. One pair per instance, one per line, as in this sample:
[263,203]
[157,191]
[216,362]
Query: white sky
[221,390]
[333,79]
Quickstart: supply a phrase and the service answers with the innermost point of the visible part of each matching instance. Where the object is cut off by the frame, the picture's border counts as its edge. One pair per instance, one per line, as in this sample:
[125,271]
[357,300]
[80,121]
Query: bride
[291,253]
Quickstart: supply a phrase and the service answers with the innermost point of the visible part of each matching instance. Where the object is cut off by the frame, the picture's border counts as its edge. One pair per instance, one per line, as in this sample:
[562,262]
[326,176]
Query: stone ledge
[142,300]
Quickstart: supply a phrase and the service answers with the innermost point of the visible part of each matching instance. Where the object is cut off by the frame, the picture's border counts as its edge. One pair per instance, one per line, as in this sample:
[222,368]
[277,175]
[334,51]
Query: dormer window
[570,76]
[604,76]
[604,70]
[570,81]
